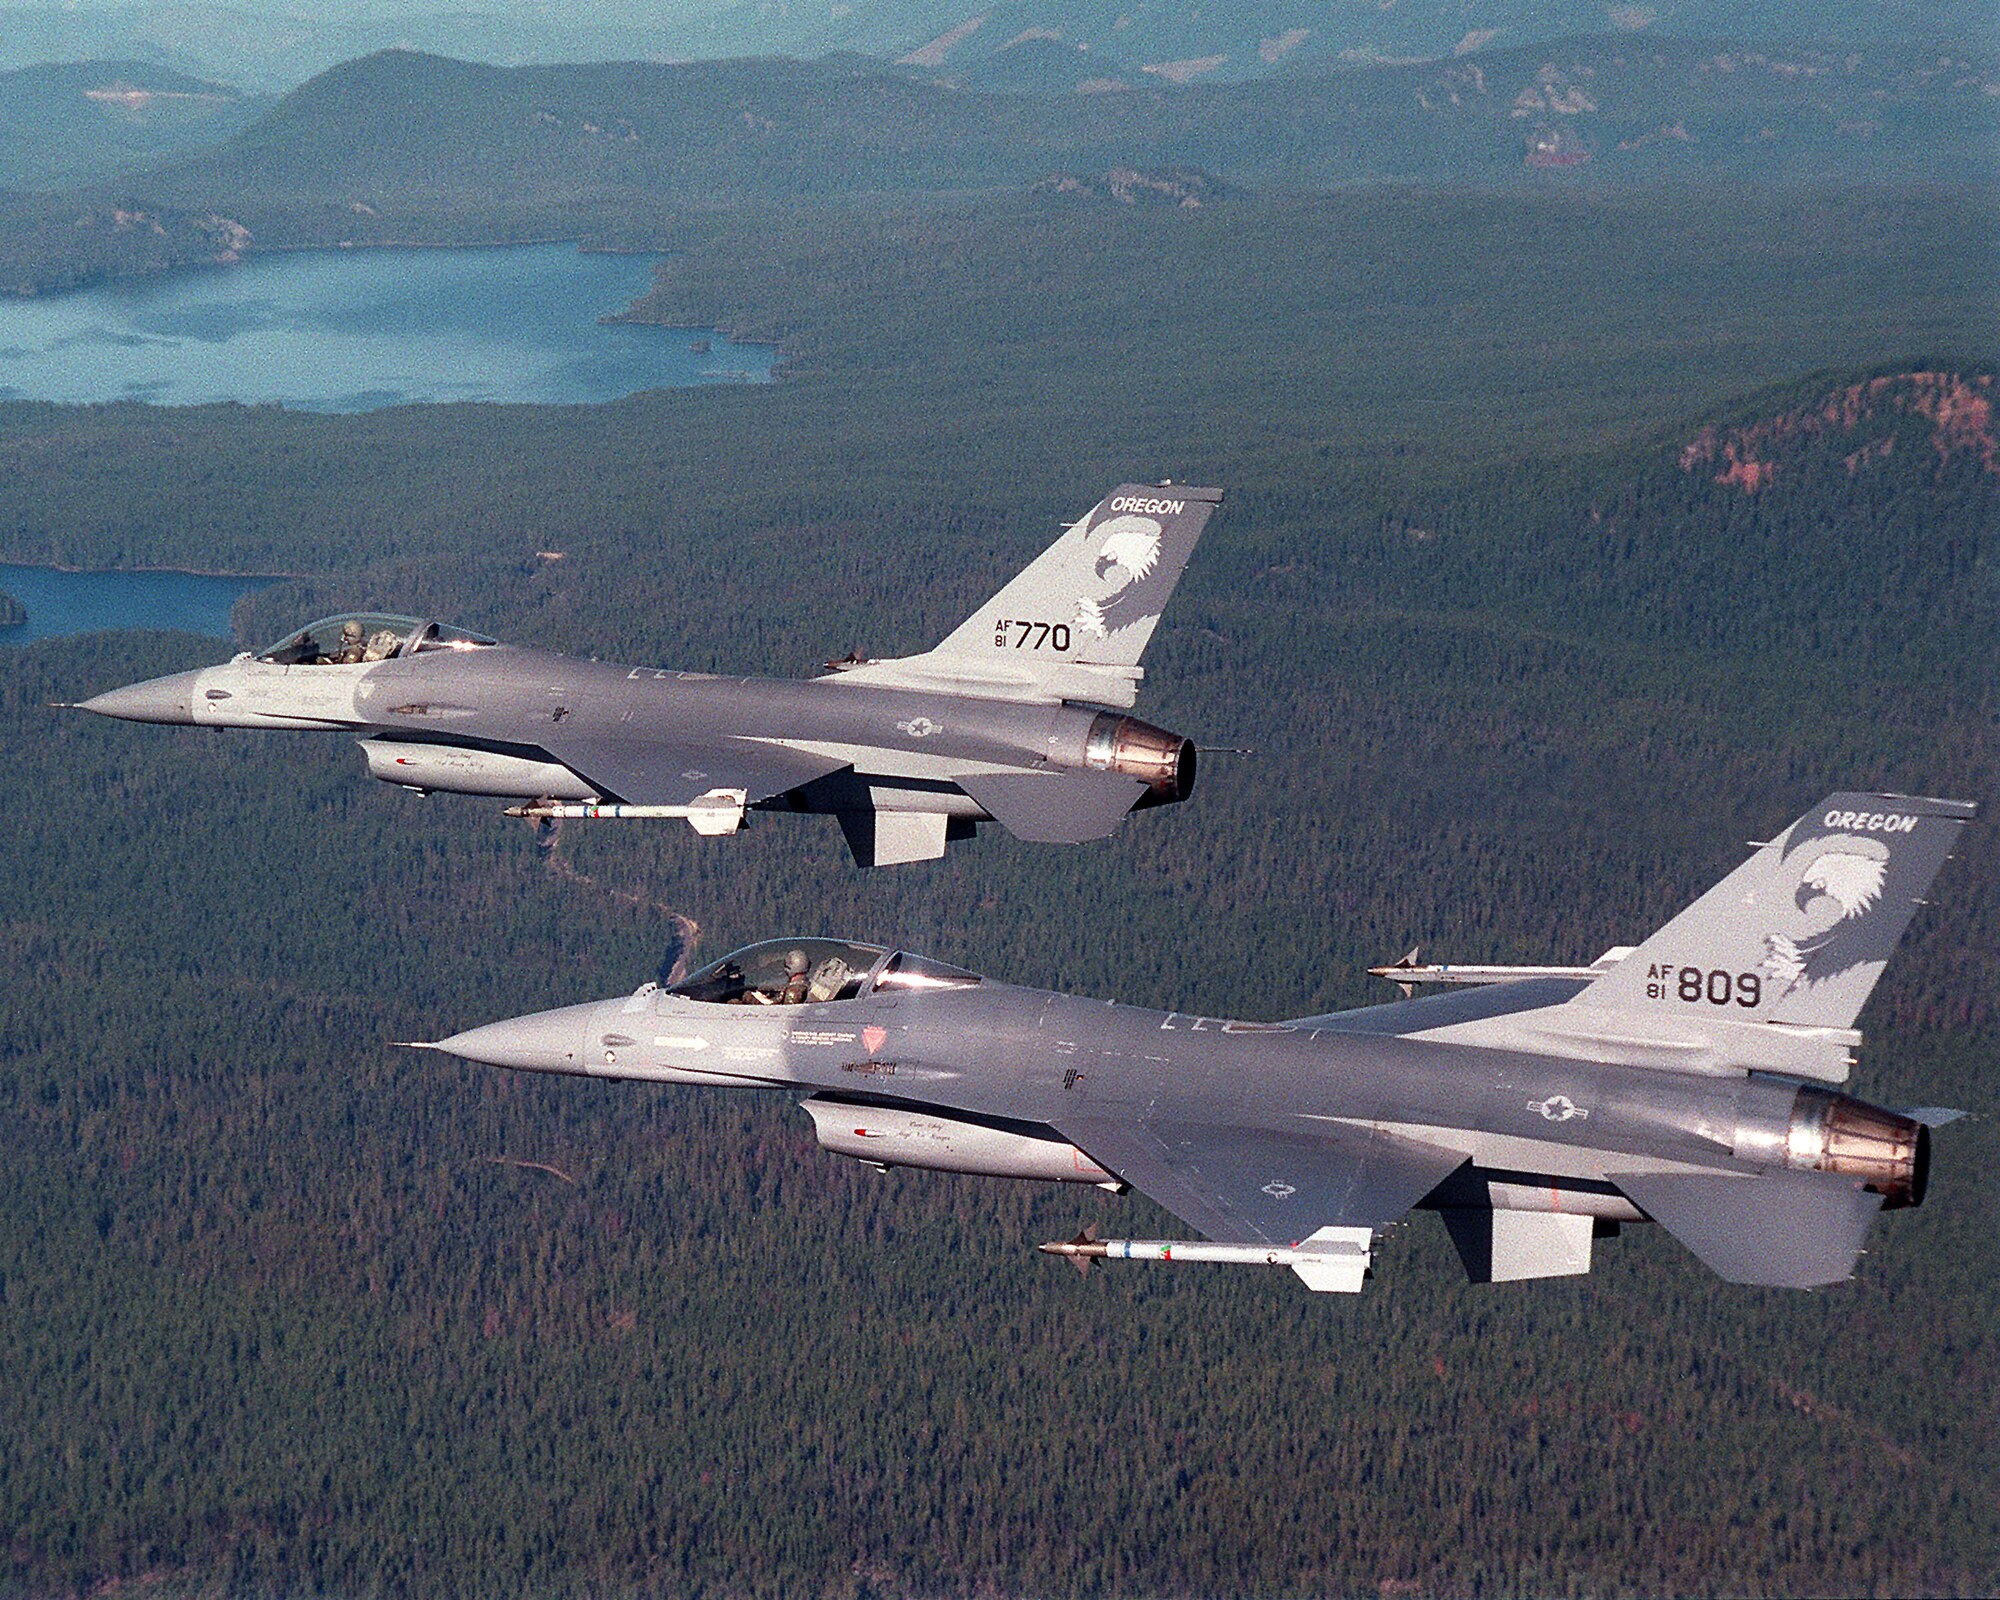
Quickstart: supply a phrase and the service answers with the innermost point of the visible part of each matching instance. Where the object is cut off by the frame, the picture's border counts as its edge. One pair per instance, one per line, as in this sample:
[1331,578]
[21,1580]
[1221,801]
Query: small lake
[60,603]
[357,330]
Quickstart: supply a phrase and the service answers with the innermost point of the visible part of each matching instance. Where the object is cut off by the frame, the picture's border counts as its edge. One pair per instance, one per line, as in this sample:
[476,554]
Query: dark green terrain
[403,148]
[1573,538]
[71,124]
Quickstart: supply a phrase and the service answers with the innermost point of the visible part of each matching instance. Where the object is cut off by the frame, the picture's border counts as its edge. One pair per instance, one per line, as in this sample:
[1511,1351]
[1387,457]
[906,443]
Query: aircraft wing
[1255,1186]
[654,772]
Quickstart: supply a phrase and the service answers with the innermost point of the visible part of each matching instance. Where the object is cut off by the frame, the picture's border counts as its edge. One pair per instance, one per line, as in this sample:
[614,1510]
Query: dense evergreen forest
[1571,542]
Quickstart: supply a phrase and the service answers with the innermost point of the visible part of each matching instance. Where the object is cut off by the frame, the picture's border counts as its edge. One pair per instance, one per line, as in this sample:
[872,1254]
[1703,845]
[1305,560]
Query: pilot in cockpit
[353,648]
[794,991]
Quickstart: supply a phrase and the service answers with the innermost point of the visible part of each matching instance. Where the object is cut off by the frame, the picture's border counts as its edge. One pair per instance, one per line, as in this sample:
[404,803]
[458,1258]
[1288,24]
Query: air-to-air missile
[1016,718]
[1690,1080]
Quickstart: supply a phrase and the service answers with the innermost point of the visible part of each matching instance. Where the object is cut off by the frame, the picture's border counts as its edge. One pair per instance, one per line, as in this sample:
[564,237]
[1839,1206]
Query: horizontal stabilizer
[1055,808]
[1783,1230]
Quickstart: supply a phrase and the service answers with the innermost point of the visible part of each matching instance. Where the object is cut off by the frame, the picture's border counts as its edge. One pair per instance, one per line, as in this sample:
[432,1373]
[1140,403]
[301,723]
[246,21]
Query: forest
[1572,540]
[400,147]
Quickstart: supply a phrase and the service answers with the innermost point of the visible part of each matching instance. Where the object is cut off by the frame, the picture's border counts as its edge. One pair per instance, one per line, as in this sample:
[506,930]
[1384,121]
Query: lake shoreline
[62,603]
[348,329]
[68,571]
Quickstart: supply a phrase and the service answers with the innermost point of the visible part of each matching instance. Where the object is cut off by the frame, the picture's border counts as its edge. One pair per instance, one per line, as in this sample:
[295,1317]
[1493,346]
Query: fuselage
[1539,1133]
[517,722]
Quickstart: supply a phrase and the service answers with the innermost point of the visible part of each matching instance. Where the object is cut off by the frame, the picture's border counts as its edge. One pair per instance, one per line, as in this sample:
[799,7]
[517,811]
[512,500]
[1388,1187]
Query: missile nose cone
[169,699]
[544,1041]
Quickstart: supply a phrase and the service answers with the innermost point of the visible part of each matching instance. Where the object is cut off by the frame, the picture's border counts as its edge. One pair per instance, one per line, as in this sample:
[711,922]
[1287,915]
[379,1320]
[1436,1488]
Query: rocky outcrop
[1949,415]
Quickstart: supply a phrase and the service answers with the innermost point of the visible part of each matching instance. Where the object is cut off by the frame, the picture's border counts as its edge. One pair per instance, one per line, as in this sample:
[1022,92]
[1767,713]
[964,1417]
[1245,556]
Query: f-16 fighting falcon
[1686,1081]
[1005,721]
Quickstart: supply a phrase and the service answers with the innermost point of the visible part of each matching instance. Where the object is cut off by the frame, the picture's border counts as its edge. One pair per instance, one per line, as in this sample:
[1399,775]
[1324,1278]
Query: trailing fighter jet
[1686,1081]
[1015,718]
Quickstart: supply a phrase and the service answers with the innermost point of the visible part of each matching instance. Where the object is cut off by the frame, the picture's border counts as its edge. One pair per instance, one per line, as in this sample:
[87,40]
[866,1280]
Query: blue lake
[61,603]
[356,330]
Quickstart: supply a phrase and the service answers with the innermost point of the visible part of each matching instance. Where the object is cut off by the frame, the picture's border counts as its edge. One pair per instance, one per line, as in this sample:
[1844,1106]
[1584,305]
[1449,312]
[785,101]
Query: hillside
[1040,44]
[401,147]
[1019,43]
[66,125]
[399,125]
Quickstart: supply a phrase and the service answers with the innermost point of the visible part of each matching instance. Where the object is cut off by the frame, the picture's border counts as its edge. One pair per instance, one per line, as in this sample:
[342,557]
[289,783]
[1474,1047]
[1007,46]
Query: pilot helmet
[795,962]
[350,632]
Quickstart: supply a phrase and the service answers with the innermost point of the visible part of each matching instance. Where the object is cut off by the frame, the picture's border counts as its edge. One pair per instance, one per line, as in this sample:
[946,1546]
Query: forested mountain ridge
[73,124]
[1868,416]
[401,147]
[278,47]
[1263,38]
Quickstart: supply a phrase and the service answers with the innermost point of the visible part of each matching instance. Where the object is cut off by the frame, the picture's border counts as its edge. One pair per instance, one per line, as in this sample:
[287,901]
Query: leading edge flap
[648,772]
[1255,1186]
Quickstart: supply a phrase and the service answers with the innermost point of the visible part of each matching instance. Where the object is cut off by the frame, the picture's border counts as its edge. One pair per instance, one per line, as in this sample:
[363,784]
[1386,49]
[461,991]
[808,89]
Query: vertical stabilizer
[1801,931]
[1769,969]
[1074,622]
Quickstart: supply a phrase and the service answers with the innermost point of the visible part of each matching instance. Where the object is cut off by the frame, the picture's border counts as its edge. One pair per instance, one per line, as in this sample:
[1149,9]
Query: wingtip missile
[717,812]
[1409,972]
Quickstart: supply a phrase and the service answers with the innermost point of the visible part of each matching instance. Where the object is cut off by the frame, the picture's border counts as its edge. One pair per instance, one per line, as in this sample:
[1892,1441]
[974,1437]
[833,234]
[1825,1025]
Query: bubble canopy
[361,636]
[816,971]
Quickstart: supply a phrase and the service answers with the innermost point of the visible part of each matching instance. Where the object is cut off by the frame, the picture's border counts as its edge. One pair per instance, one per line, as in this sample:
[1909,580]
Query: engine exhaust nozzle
[1163,761]
[1829,1132]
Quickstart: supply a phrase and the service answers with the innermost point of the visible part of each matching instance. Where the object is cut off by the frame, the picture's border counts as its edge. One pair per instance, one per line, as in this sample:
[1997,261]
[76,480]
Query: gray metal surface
[1006,721]
[1266,1134]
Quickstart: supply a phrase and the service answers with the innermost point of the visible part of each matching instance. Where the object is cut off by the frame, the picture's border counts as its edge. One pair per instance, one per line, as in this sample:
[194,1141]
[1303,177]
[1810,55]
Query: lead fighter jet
[1014,718]
[1686,1081]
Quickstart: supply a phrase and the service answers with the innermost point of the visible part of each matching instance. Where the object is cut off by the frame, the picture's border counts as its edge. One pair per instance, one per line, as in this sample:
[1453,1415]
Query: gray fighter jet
[1686,1081]
[1014,718]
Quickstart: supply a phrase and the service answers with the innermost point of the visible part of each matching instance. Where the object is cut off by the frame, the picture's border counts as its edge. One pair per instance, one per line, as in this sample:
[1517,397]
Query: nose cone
[169,699]
[543,1041]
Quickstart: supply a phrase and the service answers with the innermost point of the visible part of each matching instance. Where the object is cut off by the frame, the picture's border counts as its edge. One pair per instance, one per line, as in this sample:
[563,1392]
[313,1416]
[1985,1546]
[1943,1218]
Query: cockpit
[356,637]
[794,972]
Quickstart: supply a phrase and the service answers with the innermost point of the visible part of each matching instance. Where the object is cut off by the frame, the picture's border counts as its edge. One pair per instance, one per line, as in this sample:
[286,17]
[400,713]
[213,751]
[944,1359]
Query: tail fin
[1074,622]
[1769,969]
[1802,930]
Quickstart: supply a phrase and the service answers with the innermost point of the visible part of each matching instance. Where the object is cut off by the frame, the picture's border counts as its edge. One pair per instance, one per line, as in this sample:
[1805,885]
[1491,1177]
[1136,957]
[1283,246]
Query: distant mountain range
[1014,44]
[401,147]
[401,127]
[1049,44]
